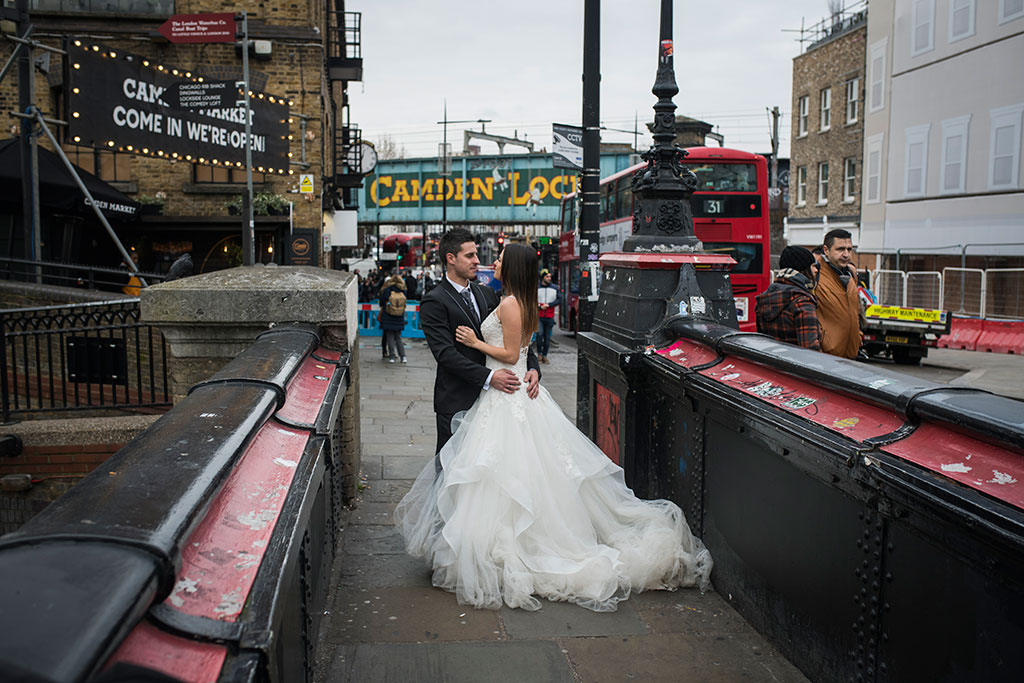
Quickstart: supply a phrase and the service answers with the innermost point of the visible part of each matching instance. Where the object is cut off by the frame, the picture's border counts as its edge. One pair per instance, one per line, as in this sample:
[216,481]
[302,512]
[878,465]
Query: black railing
[95,355]
[77,275]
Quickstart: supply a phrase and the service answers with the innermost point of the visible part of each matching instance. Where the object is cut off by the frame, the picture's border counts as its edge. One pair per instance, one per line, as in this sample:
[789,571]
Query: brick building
[827,131]
[187,199]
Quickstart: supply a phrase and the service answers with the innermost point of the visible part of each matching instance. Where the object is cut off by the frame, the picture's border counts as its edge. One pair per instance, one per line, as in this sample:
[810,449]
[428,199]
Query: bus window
[714,177]
[568,206]
[624,197]
[574,277]
[746,254]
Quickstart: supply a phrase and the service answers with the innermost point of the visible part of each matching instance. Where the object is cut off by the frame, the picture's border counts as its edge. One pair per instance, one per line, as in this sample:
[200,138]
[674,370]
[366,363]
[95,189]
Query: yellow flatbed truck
[903,334]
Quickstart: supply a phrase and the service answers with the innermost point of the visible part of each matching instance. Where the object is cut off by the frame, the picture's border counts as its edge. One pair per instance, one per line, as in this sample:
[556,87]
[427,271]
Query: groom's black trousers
[444,432]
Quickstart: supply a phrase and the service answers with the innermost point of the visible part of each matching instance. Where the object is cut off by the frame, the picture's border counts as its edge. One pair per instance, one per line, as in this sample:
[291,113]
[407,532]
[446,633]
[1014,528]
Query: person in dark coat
[392,324]
[411,285]
[787,310]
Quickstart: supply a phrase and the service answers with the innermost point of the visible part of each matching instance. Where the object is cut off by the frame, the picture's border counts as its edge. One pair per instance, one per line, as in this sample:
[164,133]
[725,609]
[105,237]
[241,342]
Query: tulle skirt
[526,506]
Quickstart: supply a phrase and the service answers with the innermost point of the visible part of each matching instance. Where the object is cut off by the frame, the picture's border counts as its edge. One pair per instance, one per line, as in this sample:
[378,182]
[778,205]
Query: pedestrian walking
[787,310]
[548,298]
[392,317]
[836,292]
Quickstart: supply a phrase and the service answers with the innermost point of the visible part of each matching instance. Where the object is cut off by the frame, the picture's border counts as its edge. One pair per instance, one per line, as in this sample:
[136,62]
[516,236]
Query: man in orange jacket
[838,305]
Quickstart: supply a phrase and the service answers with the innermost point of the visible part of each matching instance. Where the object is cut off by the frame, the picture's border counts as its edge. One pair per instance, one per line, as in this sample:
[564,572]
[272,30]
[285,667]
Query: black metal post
[590,188]
[248,222]
[29,156]
[590,232]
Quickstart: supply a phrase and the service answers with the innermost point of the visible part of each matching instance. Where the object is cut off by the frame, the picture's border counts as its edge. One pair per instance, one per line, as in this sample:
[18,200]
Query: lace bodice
[491,328]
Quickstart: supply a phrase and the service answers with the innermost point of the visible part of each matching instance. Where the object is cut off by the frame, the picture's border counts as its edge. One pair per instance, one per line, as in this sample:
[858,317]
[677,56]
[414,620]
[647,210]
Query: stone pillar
[208,319]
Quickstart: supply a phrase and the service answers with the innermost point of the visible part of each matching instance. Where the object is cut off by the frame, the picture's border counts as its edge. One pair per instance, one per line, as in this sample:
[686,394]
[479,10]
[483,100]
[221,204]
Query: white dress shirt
[476,307]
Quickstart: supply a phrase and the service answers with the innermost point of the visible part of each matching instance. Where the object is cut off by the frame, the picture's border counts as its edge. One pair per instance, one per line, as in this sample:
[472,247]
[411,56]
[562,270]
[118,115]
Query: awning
[57,189]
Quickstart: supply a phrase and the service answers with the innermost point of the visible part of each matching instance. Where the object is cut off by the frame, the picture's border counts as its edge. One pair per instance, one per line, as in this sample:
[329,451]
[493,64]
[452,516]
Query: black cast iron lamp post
[662,219]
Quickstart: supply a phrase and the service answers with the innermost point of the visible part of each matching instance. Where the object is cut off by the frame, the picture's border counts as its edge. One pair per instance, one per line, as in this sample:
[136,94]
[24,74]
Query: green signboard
[480,187]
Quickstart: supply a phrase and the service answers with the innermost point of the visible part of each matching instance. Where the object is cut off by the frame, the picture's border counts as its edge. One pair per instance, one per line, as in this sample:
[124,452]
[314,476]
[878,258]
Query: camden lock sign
[497,187]
[129,103]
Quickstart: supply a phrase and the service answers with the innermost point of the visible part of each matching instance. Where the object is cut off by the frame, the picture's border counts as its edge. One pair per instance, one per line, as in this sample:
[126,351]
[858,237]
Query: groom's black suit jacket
[460,370]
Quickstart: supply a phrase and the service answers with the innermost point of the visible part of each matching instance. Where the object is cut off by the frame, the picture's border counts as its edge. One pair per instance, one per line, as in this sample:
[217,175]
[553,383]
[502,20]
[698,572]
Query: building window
[202,173]
[802,125]
[153,8]
[878,75]
[801,186]
[961,19]
[823,183]
[954,154]
[916,167]
[1010,10]
[873,180]
[826,109]
[923,37]
[852,93]
[849,179]
[113,167]
[1004,148]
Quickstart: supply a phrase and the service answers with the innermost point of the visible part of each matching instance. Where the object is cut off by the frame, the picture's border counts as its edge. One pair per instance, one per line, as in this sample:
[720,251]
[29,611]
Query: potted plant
[151,205]
[263,204]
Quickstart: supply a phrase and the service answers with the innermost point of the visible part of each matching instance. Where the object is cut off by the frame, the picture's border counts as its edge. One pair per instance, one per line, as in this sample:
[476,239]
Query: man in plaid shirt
[787,310]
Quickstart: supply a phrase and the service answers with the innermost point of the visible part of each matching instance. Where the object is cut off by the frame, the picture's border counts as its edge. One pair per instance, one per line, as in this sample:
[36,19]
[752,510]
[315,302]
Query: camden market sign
[126,103]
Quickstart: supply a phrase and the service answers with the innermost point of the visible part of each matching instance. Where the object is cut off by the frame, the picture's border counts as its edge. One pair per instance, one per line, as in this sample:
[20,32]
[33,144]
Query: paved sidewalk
[387,623]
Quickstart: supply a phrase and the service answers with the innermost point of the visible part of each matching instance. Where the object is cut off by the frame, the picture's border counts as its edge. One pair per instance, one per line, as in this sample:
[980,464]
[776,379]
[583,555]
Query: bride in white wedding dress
[525,505]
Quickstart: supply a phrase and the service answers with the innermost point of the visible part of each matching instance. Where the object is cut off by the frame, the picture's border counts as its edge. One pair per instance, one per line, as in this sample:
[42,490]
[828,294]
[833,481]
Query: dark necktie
[468,297]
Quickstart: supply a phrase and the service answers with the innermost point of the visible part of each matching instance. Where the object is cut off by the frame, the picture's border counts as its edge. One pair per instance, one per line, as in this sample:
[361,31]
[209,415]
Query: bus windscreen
[746,254]
[718,177]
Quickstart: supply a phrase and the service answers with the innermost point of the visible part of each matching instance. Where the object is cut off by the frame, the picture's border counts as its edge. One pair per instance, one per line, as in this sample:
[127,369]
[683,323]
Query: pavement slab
[410,614]
[372,539]
[565,620]
[677,658]
[688,611]
[405,467]
[383,571]
[520,662]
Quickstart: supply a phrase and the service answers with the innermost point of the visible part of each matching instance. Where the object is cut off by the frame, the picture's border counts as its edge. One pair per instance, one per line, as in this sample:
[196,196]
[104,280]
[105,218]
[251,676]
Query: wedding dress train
[526,506]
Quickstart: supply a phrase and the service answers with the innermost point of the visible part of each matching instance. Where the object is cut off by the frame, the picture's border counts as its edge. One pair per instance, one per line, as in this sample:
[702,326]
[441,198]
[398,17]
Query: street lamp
[444,163]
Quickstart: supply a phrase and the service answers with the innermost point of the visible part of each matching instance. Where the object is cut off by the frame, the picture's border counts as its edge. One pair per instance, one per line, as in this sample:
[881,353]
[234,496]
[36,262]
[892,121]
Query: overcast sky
[520,64]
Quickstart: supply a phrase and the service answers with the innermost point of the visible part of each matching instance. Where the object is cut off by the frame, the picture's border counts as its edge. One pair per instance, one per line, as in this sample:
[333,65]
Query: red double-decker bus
[730,216]
[407,247]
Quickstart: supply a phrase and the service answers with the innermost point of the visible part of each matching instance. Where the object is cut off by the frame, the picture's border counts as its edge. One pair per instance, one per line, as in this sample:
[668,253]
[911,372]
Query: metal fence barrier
[1004,288]
[236,490]
[963,291]
[95,355]
[890,286]
[924,289]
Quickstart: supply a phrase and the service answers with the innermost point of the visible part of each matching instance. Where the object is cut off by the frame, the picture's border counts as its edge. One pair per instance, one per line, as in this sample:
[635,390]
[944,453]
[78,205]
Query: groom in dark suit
[458,300]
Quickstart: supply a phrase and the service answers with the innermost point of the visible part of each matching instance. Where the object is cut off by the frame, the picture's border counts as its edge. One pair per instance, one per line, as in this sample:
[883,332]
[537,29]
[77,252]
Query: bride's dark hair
[519,278]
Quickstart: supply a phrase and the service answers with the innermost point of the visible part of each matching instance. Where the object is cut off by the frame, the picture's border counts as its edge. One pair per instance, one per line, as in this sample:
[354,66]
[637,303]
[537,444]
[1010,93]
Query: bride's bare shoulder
[506,305]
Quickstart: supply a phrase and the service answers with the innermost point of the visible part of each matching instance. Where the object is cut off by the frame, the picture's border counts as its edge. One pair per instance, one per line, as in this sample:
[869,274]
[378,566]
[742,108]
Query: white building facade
[943,144]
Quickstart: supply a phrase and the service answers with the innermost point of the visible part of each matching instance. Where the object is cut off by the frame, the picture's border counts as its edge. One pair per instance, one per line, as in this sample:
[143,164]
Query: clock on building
[367,158]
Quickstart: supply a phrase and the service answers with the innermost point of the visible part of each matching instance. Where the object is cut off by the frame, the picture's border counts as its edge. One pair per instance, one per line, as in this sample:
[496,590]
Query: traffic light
[501,238]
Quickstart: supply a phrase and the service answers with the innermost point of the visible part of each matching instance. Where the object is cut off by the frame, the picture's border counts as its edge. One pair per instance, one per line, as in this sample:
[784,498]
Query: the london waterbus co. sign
[127,103]
[200,28]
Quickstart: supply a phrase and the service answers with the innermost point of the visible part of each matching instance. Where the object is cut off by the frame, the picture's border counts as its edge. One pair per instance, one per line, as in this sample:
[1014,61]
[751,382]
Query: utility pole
[28,144]
[775,148]
[590,231]
[249,223]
